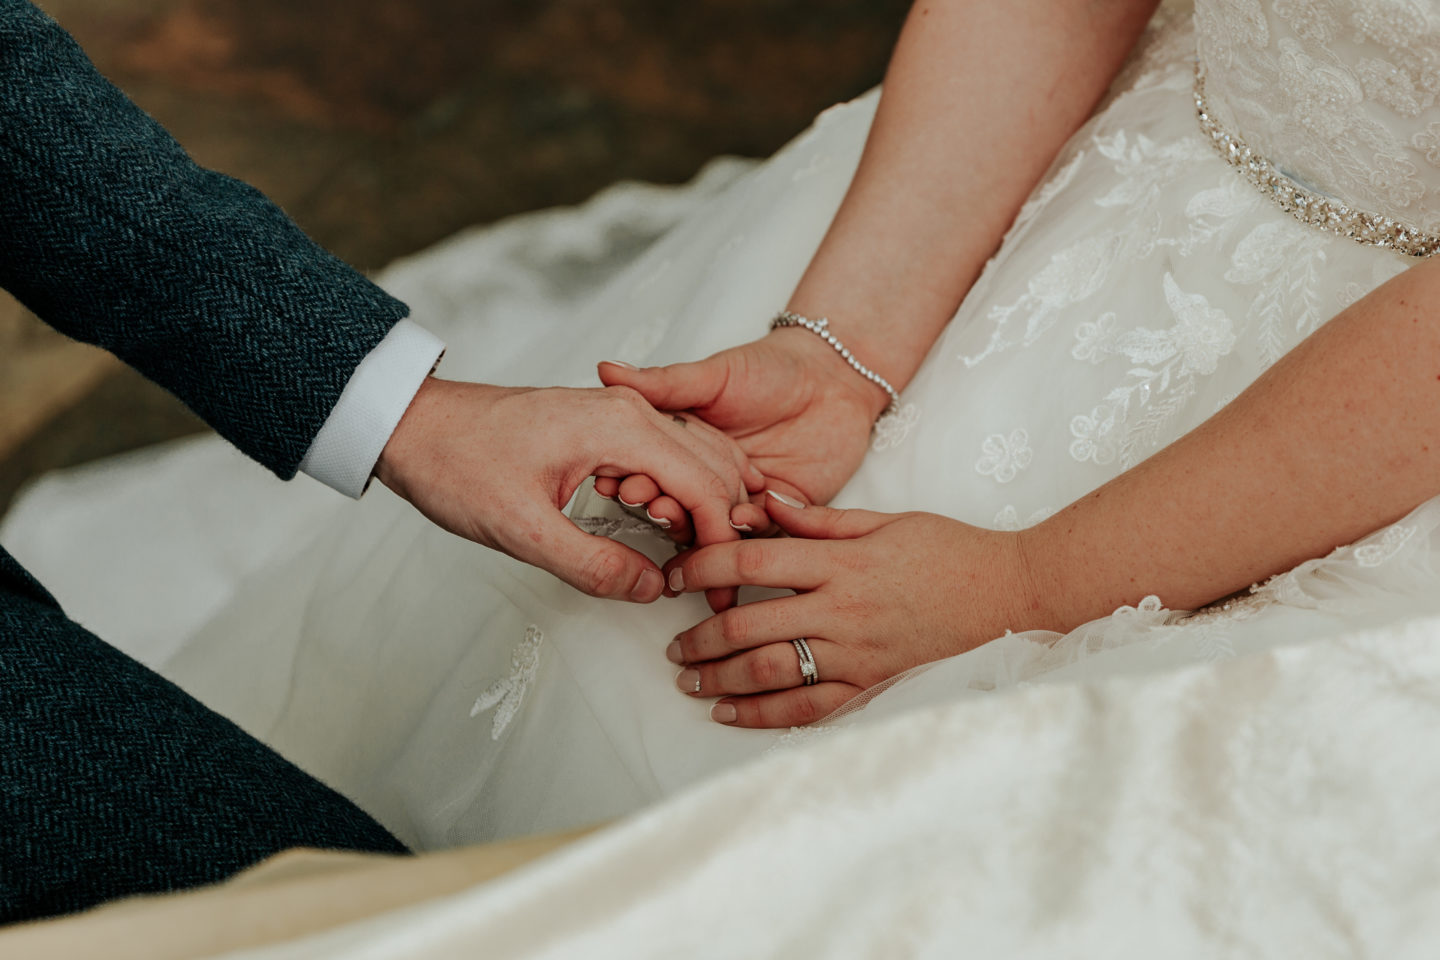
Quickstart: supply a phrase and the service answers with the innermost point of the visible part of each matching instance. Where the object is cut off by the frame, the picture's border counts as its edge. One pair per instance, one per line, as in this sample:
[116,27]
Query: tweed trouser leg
[114,781]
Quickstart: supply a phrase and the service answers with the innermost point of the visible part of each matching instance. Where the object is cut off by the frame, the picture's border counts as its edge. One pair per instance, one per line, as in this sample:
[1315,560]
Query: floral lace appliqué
[892,429]
[1376,553]
[1008,518]
[1167,364]
[505,696]
[1004,457]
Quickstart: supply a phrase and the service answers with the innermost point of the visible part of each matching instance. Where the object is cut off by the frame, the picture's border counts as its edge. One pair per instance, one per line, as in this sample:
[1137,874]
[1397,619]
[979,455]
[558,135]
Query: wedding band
[808,671]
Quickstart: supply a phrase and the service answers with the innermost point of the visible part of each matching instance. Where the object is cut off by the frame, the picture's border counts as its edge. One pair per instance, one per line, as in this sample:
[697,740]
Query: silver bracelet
[821,329]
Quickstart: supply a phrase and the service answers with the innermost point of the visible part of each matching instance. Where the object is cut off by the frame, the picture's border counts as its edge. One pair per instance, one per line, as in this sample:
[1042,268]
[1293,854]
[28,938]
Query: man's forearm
[1337,439]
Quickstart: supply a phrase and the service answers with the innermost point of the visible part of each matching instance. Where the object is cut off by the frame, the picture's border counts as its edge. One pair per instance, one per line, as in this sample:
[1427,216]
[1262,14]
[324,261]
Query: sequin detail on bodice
[1339,97]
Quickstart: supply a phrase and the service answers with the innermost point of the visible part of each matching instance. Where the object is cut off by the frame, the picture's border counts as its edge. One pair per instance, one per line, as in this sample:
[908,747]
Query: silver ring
[808,671]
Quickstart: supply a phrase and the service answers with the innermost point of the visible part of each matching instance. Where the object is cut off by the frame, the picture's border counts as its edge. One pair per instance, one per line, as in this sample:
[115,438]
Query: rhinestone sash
[1303,204]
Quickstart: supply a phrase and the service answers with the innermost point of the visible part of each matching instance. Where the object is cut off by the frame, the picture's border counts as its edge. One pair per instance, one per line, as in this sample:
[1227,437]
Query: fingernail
[629,504]
[660,522]
[648,587]
[723,713]
[603,496]
[621,363]
[742,527]
[788,501]
[688,681]
[673,654]
[677,580]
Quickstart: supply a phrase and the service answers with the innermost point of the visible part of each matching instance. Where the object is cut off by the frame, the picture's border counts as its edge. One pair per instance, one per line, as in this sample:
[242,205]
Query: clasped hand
[497,465]
[876,594]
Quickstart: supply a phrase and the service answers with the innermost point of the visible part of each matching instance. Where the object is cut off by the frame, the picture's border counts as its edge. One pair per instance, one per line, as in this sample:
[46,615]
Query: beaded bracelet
[821,328]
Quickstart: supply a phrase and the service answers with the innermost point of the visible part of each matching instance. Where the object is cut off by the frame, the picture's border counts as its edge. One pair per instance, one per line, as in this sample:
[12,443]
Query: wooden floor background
[384,126]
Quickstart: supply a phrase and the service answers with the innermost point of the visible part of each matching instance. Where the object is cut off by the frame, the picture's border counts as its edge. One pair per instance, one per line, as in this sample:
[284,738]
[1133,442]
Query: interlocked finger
[637,490]
[775,666]
[787,708]
[746,627]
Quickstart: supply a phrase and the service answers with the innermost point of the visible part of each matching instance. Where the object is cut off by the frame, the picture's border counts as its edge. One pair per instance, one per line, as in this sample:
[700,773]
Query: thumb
[815,522]
[680,386]
[591,564]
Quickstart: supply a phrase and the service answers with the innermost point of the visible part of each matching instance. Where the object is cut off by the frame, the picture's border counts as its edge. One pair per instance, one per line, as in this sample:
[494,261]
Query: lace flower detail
[1202,334]
[1311,20]
[1149,606]
[1396,177]
[892,429]
[1429,141]
[1094,340]
[506,695]
[1003,457]
[1376,553]
[1008,518]
[1094,434]
[1388,84]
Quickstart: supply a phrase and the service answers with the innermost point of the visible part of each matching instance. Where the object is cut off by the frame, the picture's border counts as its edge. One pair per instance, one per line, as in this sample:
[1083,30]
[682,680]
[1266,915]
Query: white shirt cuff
[344,452]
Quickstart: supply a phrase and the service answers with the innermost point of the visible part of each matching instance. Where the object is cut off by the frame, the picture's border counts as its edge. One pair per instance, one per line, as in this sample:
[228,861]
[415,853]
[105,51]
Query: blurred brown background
[382,126]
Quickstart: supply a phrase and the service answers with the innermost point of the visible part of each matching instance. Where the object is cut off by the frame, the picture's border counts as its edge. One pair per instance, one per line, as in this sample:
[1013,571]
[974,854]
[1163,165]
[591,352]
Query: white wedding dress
[461,696]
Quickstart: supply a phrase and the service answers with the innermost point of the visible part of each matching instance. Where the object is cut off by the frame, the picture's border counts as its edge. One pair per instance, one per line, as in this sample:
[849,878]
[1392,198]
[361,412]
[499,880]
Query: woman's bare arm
[979,98]
[1337,439]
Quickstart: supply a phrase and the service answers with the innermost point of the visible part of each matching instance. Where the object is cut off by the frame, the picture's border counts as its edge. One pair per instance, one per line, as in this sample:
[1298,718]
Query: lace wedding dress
[1162,264]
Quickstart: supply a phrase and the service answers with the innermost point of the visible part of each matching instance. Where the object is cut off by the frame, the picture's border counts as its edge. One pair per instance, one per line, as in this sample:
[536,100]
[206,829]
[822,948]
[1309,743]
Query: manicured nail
[648,587]
[677,580]
[673,654]
[621,363]
[788,501]
[603,496]
[688,681]
[742,527]
[629,504]
[723,713]
[660,522]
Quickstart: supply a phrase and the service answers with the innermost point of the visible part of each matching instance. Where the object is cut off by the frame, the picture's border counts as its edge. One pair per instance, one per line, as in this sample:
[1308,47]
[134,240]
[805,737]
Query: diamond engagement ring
[808,671]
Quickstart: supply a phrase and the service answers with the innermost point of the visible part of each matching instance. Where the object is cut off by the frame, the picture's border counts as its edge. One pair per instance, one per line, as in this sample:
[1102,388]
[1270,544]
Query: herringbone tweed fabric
[112,234]
[113,781]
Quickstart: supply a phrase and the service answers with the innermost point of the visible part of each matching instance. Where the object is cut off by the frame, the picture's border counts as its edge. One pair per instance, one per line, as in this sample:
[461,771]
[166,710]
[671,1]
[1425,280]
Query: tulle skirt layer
[461,696]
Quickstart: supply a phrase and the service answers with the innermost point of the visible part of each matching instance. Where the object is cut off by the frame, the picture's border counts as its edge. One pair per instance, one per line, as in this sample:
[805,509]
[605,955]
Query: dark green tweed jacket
[113,235]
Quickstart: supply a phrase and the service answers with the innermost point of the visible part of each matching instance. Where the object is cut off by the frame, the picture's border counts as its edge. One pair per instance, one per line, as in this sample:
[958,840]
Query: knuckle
[804,710]
[734,630]
[763,672]
[603,574]
[620,393]
[717,489]
[750,560]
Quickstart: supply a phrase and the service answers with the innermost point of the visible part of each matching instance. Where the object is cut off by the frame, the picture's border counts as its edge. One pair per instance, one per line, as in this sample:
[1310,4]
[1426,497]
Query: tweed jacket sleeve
[113,235]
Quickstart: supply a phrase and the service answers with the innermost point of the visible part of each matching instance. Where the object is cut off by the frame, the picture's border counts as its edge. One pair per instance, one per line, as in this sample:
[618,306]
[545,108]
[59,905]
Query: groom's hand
[788,400]
[497,465]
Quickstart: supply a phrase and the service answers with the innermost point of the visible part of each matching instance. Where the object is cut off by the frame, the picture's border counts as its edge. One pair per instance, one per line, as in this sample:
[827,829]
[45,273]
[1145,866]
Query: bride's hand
[496,465]
[878,594]
[799,412]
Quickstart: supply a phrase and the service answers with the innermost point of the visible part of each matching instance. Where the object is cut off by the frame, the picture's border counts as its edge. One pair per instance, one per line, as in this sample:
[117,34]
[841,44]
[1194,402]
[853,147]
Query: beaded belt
[1305,205]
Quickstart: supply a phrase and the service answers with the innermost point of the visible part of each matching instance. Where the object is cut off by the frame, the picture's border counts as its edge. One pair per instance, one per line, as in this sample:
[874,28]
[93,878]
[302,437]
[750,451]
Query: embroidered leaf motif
[508,694]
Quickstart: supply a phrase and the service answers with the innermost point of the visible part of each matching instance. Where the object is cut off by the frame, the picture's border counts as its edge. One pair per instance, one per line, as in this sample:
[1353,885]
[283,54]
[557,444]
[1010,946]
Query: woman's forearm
[1337,439]
[979,98]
